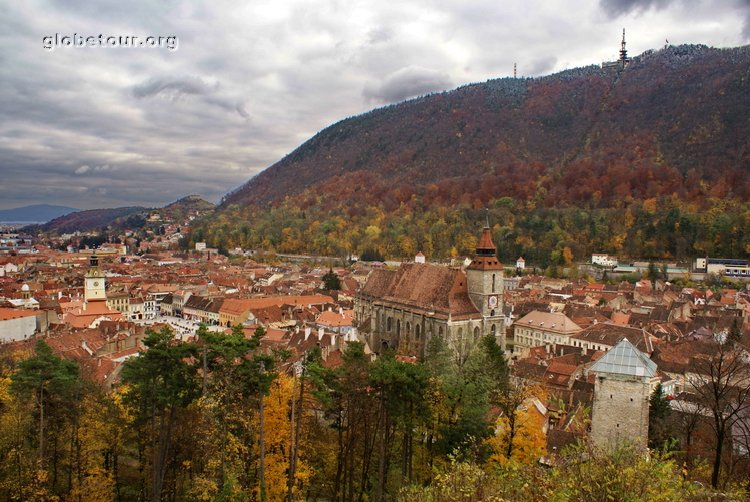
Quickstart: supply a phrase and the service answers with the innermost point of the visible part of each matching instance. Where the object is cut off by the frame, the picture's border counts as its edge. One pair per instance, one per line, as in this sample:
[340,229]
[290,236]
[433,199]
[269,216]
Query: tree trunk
[296,432]
[383,419]
[262,446]
[161,454]
[41,426]
[717,458]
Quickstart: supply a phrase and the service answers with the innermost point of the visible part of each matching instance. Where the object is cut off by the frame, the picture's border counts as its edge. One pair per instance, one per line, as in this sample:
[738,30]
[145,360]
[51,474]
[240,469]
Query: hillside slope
[684,107]
[672,131]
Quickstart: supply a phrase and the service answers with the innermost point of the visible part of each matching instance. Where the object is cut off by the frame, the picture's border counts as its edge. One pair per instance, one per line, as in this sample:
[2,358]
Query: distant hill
[90,219]
[191,205]
[37,213]
[121,218]
[650,161]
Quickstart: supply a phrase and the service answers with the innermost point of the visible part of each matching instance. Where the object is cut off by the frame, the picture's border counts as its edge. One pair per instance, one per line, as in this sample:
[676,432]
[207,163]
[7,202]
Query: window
[388,324]
[493,283]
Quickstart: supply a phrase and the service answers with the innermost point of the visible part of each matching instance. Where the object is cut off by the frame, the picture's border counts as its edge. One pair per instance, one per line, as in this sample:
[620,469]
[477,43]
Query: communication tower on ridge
[624,59]
[621,63]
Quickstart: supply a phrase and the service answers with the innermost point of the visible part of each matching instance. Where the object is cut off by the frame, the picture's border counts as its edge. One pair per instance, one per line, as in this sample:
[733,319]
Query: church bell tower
[485,276]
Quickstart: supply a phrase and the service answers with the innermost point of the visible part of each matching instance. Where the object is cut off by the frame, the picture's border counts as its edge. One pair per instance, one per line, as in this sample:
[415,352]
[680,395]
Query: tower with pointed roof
[484,276]
[625,377]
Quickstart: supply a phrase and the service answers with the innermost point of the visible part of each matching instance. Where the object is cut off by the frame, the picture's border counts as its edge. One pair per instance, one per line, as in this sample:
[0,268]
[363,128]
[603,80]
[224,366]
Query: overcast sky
[250,81]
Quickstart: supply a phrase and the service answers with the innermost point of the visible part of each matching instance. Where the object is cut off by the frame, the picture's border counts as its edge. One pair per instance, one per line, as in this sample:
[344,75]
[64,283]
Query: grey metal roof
[625,359]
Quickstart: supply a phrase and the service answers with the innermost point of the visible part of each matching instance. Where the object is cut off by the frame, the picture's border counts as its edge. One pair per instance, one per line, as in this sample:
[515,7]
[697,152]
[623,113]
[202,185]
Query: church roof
[423,286]
[625,359]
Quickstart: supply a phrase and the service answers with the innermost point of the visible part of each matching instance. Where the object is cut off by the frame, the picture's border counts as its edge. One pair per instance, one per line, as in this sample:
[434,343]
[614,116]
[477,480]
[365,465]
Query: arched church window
[417,331]
[388,323]
[476,334]
[493,283]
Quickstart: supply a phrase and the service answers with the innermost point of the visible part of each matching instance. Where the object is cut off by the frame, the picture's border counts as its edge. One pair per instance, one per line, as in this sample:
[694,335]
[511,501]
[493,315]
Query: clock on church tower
[94,287]
[485,277]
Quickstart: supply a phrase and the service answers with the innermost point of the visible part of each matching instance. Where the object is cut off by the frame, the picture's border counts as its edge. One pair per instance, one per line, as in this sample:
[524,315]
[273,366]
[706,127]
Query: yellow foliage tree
[529,440]
[278,441]
[98,435]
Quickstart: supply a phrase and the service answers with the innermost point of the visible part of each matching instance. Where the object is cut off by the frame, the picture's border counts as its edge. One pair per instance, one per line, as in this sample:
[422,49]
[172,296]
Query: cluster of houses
[568,337]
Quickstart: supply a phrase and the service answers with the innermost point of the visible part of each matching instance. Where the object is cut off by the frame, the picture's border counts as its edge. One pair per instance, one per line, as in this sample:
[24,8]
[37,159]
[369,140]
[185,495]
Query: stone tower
[624,380]
[484,277]
[94,288]
[484,280]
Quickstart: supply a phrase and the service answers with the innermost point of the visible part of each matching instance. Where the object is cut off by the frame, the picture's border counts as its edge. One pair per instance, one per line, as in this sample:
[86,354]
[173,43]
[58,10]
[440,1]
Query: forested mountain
[649,161]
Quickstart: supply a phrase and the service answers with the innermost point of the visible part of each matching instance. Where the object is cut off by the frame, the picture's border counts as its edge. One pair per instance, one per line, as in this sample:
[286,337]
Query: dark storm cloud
[407,83]
[617,8]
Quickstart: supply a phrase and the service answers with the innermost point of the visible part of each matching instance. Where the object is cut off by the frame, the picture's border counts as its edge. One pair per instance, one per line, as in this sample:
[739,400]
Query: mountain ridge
[650,161]
[512,99]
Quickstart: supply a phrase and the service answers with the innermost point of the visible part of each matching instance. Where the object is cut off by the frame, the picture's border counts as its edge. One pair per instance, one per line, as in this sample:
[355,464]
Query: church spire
[485,257]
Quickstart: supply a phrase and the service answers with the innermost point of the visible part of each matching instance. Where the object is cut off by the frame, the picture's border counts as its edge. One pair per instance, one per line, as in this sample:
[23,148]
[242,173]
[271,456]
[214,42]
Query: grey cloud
[615,8]
[172,87]
[541,66]
[176,87]
[745,4]
[379,35]
[407,83]
[95,169]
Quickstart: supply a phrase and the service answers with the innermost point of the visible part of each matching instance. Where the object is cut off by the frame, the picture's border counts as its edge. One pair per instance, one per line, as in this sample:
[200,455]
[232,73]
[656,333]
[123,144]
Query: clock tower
[485,277]
[94,282]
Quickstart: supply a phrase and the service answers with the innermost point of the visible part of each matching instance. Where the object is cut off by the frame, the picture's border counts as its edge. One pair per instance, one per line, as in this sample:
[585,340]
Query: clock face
[493,301]
[96,283]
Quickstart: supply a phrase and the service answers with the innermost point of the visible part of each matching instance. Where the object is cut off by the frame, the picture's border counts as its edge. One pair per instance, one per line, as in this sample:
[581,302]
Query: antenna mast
[623,51]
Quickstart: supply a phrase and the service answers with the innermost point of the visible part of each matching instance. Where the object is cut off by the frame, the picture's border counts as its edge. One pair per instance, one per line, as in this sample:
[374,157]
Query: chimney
[307,332]
[296,330]
[334,340]
[320,334]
